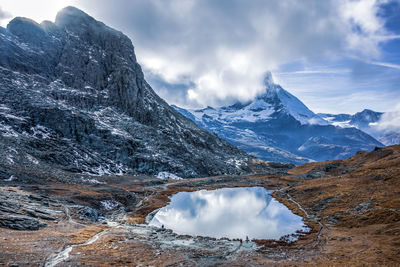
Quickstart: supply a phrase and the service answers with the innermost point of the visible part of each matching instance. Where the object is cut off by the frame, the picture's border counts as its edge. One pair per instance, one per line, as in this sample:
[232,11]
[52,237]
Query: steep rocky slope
[277,126]
[74,101]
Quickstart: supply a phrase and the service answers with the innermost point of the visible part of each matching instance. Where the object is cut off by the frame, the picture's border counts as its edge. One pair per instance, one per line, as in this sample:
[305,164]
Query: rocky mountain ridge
[74,102]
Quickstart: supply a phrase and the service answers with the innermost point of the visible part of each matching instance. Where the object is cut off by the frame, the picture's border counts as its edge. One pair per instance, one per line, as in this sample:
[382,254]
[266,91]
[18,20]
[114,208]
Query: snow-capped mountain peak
[283,101]
[274,100]
[277,126]
[268,80]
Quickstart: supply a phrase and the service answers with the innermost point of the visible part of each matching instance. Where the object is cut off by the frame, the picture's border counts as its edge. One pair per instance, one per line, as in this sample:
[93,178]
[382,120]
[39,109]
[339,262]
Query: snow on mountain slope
[366,121]
[257,110]
[244,137]
[277,126]
[274,99]
[278,97]
[390,138]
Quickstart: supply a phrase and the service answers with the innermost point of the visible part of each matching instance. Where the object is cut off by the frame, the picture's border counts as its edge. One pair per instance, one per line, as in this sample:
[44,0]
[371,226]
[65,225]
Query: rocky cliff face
[73,101]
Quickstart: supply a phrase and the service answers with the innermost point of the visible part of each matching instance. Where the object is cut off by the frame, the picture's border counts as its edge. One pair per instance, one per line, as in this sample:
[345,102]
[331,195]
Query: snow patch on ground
[7,131]
[10,159]
[32,159]
[92,181]
[10,179]
[109,204]
[11,116]
[40,132]
[106,169]
[167,175]
[238,163]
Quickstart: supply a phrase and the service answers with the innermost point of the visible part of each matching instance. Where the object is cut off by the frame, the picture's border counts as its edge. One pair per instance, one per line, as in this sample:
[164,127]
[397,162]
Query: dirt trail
[64,254]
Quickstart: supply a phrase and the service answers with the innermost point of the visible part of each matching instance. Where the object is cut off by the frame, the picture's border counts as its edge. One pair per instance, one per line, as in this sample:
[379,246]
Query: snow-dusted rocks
[167,175]
[74,102]
[109,204]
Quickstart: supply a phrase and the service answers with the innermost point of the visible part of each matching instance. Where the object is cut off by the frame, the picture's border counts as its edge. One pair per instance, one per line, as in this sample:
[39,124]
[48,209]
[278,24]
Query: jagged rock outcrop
[74,101]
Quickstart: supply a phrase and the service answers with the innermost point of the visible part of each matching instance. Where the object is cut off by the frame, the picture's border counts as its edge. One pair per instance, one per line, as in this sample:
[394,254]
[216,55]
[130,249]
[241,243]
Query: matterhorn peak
[268,80]
[270,88]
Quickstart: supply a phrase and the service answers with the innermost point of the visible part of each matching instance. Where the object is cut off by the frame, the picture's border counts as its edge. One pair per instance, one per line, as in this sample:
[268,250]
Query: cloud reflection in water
[228,212]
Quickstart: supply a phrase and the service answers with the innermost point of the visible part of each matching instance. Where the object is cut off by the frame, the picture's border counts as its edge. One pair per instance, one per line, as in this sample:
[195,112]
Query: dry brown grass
[346,235]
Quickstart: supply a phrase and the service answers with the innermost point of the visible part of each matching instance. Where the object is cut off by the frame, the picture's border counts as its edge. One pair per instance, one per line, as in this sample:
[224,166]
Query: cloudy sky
[335,55]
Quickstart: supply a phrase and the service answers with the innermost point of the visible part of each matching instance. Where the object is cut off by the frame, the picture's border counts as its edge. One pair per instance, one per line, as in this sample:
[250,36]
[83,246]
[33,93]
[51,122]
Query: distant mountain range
[277,126]
[366,121]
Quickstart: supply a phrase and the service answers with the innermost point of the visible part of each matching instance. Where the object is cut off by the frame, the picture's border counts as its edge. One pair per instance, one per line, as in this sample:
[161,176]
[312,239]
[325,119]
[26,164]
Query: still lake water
[228,212]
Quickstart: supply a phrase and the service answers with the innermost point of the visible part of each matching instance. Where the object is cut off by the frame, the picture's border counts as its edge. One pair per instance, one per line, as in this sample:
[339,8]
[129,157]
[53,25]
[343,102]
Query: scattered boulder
[364,207]
[7,206]
[90,213]
[332,169]
[37,198]
[20,222]
[310,175]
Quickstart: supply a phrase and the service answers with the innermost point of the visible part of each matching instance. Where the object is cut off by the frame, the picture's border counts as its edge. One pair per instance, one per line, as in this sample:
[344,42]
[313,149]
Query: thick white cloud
[390,121]
[37,10]
[224,47]
[221,49]
[228,212]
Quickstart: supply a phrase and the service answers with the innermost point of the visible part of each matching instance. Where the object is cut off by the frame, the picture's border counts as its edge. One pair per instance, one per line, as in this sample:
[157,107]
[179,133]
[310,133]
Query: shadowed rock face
[73,100]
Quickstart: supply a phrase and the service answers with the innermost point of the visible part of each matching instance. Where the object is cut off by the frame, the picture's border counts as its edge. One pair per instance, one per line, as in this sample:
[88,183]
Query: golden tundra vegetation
[352,207]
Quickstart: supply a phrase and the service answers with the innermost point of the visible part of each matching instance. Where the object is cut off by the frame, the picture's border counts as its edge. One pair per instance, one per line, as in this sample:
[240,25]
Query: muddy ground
[352,207]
